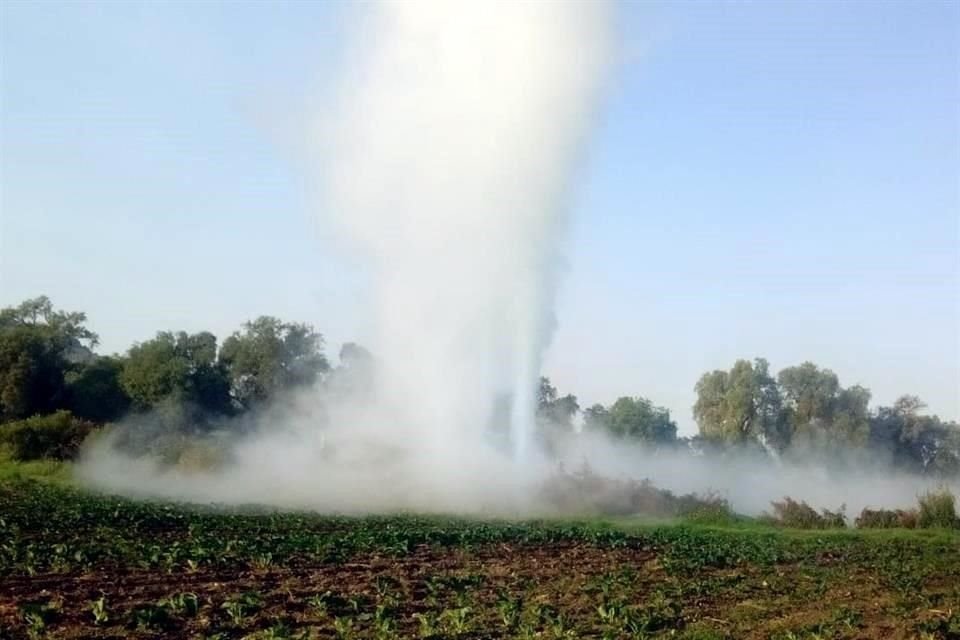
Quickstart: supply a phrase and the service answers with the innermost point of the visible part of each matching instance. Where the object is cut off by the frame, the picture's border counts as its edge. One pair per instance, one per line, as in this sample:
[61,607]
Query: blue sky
[775,179]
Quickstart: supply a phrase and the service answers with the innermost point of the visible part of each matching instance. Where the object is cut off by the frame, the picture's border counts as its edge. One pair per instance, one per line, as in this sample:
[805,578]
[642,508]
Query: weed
[98,608]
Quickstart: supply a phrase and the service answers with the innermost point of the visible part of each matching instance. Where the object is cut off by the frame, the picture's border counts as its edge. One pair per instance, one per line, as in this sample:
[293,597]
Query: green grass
[53,471]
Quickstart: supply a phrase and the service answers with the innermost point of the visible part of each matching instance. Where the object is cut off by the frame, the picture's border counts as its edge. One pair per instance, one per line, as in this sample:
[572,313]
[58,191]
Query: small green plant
[428,623]
[343,627]
[457,620]
[383,620]
[609,612]
[509,609]
[278,631]
[320,603]
[186,603]
[98,608]
[37,616]
[240,607]
[262,562]
[150,616]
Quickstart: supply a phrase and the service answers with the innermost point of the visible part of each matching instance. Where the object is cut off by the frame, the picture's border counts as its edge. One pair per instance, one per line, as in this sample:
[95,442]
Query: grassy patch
[12,471]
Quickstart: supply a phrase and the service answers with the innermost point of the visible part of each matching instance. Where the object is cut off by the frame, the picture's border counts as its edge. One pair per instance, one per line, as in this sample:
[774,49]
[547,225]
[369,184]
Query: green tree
[916,442]
[38,346]
[810,393]
[640,419]
[740,405]
[553,409]
[596,418]
[270,356]
[820,413]
[95,393]
[179,368]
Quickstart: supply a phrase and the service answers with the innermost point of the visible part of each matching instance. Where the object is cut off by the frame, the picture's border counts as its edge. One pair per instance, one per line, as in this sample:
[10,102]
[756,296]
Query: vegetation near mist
[166,395]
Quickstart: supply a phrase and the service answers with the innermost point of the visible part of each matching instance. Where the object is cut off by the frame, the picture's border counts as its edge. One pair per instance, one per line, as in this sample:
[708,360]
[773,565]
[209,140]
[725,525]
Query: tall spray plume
[447,158]
[444,158]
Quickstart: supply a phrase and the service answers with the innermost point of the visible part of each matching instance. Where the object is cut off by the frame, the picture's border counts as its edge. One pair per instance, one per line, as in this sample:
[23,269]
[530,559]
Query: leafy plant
[98,608]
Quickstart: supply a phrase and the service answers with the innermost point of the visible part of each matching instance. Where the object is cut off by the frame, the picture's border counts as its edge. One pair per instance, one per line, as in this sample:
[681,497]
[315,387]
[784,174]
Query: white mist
[446,160]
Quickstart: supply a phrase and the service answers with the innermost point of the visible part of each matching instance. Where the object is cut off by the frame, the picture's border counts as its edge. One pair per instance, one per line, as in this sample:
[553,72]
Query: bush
[800,515]
[56,436]
[585,492]
[708,508]
[886,519]
[938,509]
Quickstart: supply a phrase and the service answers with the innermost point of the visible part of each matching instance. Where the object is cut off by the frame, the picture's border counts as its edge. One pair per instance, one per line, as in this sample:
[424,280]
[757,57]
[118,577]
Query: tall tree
[38,346]
[821,414]
[640,419]
[809,392]
[916,442]
[95,393]
[269,356]
[740,405]
[177,367]
[596,418]
[554,409]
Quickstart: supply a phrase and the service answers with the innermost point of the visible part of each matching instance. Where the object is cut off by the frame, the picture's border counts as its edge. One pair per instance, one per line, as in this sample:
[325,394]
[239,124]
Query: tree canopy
[270,355]
[178,379]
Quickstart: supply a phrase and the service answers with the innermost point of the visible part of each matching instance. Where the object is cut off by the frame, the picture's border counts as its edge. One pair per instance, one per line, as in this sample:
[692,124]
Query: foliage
[640,419]
[553,409]
[938,509]
[270,356]
[739,405]
[180,367]
[915,442]
[807,415]
[52,471]
[799,515]
[38,344]
[57,436]
[821,414]
[94,391]
[179,383]
[887,519]
[708,509]
[588,493]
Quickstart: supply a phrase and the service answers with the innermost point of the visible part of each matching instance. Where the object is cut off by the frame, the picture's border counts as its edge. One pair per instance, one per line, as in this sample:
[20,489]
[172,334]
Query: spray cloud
[448,153]
[445,158]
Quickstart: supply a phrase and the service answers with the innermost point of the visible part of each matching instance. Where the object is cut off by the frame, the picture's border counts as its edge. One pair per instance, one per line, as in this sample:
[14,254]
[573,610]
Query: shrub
[585,492]
[800,515]
[708,508]
[937,509]
[886,519]
[57,436]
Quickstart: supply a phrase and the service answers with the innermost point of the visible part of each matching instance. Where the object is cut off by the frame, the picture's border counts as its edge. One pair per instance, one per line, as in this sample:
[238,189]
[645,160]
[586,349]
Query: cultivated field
[75,565]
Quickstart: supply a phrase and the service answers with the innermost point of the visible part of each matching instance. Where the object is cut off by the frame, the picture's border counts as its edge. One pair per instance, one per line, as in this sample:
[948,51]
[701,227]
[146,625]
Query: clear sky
[777,179]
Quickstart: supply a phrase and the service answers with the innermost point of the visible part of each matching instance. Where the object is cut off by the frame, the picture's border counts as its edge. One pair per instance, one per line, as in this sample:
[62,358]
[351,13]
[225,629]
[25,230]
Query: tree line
[49,366]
